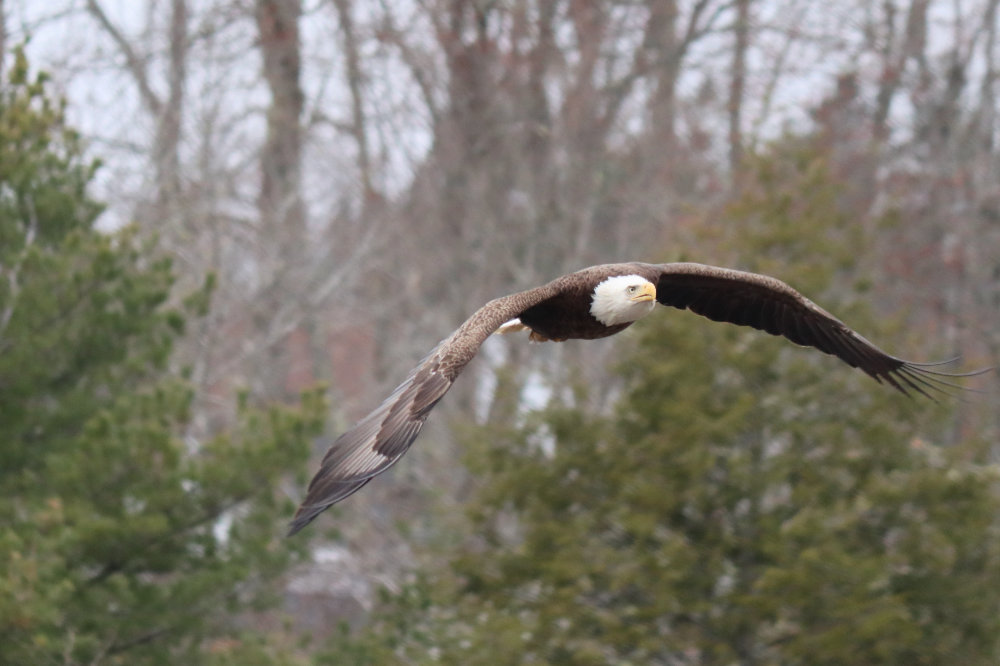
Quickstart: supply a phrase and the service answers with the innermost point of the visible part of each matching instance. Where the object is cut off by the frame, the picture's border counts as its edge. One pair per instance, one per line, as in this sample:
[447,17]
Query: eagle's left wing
[768,304]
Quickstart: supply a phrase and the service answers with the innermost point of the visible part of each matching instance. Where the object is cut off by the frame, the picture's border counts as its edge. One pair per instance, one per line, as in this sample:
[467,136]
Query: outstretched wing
[768,304]
[382,437]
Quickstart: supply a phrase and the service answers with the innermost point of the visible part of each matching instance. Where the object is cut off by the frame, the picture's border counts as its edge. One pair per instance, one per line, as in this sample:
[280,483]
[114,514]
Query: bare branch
[354,84]
[417,64]
[135,64]
[777,69]
[291,313]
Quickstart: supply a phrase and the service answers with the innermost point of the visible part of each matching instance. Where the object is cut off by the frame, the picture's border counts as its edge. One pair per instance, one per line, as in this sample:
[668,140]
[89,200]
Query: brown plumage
[567,308]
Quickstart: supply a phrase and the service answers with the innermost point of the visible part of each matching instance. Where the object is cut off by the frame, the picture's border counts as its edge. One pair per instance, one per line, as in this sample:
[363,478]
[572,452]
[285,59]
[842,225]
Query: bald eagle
[594,303]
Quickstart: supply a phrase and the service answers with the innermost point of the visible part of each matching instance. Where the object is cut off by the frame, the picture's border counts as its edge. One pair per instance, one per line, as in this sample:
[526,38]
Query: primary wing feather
[381,438]
[768,304]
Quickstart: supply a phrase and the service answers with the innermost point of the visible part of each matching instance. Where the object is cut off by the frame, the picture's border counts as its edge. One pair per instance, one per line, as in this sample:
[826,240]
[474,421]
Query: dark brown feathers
[768,304]
[561,310]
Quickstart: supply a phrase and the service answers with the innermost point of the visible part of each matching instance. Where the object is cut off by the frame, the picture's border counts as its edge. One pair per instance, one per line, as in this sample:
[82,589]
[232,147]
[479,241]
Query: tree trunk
[737,83]
[282,243]
[280,201]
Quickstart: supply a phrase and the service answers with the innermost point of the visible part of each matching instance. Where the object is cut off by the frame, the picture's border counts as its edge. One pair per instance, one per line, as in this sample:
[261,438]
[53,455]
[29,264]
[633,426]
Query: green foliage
[121,541]
[749,502]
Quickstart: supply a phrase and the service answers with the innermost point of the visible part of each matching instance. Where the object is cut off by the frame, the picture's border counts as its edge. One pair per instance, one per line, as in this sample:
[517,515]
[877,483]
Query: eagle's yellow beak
[647,292]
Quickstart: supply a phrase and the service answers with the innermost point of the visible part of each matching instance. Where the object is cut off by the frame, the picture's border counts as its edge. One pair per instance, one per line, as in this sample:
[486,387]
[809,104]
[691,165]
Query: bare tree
[3,40]
[737,86]
[355,83]
[164,107]
[282,212]
[283,241]
[901,45]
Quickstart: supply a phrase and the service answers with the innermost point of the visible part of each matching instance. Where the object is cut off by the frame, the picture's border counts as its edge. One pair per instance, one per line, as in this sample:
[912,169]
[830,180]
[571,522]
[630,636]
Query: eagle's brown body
[562,310]
[566,315]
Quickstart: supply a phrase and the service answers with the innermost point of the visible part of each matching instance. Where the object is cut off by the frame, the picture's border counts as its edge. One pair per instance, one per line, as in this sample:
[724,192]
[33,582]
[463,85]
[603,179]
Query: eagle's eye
[632,289]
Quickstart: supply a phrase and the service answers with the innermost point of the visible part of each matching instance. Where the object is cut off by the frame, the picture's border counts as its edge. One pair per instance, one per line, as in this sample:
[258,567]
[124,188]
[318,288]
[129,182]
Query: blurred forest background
[229,227]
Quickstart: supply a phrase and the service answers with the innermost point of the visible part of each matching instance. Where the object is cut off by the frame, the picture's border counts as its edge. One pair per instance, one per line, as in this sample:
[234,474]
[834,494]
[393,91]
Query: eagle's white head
[623,299]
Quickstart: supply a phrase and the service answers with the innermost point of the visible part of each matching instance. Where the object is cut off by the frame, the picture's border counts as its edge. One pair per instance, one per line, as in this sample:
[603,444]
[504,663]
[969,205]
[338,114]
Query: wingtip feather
[926,379]
[296,525]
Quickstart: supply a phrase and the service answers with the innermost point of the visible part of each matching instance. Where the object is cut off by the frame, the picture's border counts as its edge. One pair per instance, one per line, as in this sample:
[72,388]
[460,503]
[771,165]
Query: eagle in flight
[594,303]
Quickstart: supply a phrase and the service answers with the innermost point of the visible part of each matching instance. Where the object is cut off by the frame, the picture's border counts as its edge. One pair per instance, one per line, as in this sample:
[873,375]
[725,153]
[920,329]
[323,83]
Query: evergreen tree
[749,502]
[119,541]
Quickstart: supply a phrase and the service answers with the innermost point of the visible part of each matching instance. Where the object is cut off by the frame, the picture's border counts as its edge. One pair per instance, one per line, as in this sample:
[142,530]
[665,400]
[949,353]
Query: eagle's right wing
[381,438]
